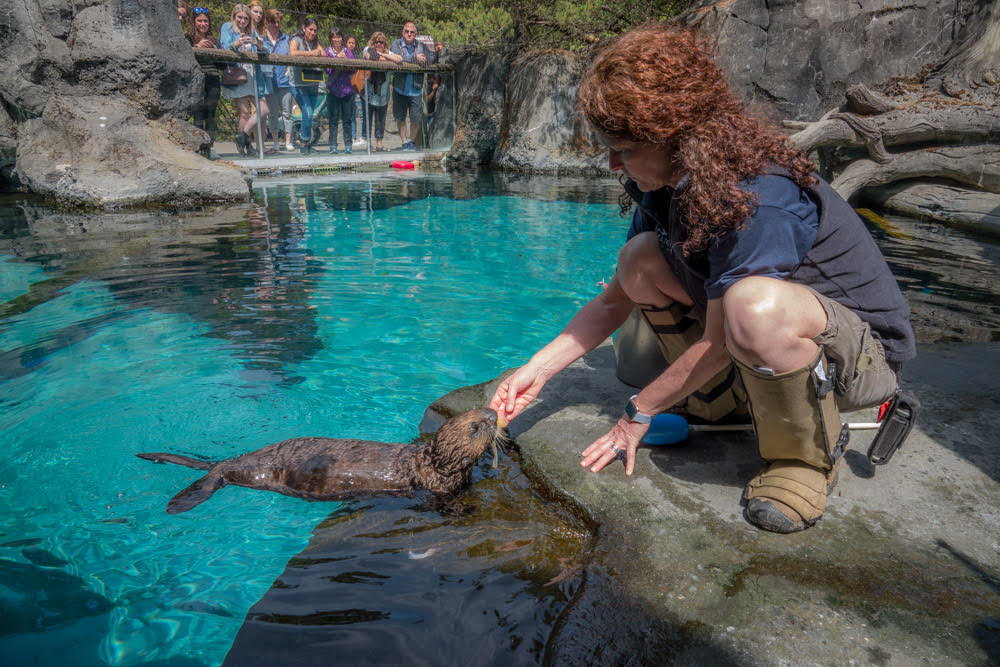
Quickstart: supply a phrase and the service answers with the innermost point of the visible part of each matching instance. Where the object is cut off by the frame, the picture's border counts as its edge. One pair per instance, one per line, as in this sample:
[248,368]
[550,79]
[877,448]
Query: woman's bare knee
[771,321]
[645,275]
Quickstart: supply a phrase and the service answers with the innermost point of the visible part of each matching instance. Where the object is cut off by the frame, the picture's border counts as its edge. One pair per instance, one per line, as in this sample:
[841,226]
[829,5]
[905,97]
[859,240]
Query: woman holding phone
[240,37]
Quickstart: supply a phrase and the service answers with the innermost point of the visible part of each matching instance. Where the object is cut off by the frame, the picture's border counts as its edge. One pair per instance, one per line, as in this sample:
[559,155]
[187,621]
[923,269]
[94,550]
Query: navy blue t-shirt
[772,243]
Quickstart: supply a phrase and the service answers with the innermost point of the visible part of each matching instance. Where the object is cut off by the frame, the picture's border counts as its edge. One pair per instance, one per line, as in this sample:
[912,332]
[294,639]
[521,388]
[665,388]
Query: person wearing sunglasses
[377,87]
[406,87]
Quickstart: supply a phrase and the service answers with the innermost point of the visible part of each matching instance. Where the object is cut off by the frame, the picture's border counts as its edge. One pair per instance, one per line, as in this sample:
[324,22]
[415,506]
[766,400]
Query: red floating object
[403,164]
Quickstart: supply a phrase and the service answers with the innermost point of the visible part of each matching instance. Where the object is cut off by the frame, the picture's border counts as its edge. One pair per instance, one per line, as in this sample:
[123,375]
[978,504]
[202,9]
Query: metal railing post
[256,103]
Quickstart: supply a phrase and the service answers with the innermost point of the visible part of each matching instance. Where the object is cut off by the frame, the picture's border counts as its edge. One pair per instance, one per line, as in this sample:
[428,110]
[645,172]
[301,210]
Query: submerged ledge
[904,567]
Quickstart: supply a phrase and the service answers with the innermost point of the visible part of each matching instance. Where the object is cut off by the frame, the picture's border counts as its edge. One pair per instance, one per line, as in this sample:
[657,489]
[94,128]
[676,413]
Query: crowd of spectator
[273,91]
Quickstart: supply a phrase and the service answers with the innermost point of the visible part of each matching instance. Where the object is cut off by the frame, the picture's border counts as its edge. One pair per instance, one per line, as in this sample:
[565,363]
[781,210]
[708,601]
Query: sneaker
[360,143]
[409,146]
[289,147]
[347,150]
[333,150]
[212,155]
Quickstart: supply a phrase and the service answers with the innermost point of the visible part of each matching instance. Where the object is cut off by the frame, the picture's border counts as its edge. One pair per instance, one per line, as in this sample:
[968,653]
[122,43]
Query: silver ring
[614,449]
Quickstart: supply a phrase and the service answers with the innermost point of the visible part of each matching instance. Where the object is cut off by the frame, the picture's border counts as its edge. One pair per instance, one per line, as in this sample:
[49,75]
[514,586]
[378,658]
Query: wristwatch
[634,414]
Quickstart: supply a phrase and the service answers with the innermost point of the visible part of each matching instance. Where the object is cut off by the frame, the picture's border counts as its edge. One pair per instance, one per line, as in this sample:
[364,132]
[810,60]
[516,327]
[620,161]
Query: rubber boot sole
[765,514]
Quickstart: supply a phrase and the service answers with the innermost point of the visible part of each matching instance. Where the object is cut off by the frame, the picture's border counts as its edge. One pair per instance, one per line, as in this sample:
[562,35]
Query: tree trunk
[974,57]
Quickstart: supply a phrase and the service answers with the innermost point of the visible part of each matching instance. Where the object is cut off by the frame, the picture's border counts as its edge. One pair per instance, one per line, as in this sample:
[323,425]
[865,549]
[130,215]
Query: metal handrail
[228,55]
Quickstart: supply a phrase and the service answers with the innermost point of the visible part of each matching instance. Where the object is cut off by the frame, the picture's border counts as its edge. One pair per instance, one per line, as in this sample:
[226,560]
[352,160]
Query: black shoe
[243,143]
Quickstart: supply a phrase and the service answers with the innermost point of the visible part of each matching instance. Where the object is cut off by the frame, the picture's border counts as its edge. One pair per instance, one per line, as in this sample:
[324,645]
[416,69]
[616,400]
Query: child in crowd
[340,94]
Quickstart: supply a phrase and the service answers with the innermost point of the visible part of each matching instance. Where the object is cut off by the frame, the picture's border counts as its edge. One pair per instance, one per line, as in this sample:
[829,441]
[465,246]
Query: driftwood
[932,143]
[971,123]
[977,166]
[970,209]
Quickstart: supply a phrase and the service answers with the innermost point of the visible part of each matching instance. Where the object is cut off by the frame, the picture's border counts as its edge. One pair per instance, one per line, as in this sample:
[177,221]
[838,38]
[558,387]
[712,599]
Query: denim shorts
[864,378]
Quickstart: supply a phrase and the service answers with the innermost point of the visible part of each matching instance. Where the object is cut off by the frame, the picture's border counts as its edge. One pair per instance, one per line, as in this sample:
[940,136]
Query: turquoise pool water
[337,309]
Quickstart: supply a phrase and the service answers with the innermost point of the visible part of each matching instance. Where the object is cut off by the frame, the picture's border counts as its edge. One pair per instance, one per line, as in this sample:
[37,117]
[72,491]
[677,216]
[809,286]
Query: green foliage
[569,24]
[481,24]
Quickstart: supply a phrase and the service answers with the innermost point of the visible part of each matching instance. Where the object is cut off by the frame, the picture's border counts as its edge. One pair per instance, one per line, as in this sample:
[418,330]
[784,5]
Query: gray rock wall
[519,114]
[799,56]
[58,48]
[542,130]
[793,59]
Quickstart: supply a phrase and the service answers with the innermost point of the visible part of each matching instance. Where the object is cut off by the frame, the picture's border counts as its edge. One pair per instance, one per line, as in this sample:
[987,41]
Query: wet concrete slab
[903,569]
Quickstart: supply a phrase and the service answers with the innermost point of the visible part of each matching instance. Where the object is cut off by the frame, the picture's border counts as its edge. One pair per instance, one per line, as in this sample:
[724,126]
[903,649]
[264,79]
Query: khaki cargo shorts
[864,378]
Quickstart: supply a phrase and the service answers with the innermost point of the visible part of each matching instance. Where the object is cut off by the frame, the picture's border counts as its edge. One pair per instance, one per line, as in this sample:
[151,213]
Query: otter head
[460,442]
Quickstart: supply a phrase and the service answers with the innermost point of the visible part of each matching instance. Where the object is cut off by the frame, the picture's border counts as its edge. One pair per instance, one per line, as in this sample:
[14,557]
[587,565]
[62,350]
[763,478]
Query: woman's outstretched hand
[516,392]
[624,437]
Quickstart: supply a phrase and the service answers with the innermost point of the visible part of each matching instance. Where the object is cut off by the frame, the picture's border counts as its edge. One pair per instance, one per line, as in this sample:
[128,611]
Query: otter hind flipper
[195,494]
[163,457]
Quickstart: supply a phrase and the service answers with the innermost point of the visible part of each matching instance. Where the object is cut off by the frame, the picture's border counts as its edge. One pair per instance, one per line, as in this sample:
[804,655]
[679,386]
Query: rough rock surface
[96,151]
[903,569]
[519,114]
[58,48]
[97,90]
[479,108]
[542,130]
[800,56]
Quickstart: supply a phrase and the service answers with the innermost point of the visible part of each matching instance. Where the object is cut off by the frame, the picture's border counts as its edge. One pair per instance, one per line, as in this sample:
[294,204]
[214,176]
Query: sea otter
[339,469]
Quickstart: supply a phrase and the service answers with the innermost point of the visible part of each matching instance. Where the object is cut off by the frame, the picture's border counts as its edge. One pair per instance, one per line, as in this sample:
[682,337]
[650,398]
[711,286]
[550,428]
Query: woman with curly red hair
[760,282]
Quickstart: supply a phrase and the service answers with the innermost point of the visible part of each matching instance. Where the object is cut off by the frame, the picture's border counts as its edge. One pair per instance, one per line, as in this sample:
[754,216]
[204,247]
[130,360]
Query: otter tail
[195,494]
[163,457]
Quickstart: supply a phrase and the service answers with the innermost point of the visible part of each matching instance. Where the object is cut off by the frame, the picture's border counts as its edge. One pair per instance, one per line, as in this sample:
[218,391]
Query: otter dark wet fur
[342,469]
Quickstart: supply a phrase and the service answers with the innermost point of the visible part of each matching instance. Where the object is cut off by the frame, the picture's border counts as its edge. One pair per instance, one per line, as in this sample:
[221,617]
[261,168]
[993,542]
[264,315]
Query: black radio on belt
[897,419]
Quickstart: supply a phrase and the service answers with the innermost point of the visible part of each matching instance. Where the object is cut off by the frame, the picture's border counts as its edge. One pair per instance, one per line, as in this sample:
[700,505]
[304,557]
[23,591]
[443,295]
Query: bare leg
[414,129]
[402,131]
[771,322]
[645,275]
[251,125]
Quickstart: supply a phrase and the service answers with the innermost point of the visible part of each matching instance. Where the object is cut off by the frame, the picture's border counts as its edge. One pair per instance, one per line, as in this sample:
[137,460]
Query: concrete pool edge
[905,567]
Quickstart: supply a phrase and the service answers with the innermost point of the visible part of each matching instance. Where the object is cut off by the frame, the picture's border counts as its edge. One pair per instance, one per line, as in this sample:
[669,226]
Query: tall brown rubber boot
[799,433]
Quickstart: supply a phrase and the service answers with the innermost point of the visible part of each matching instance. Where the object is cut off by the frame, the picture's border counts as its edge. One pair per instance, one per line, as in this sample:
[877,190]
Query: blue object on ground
[666,429]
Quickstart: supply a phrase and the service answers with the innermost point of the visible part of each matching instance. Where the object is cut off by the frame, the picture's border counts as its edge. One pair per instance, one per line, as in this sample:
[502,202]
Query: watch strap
[633,413]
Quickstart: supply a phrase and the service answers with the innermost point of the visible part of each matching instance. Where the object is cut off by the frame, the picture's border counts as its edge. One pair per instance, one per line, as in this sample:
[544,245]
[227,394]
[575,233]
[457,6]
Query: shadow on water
[39,598]
[393,581]
[501,576]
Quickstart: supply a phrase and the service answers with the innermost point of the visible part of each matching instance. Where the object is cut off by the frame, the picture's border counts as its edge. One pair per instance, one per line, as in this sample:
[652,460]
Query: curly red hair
[659,83]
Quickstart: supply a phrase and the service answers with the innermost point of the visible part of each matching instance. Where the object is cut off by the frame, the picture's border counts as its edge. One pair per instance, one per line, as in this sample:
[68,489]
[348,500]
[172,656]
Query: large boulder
[98,92]
[118,48]
[100,151]
[799,56]
[542,130]
[479,106]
